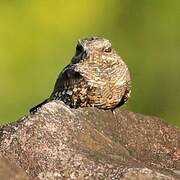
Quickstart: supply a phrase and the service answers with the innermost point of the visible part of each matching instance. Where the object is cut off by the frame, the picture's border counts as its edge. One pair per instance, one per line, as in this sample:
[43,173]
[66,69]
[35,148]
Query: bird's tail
[34,109]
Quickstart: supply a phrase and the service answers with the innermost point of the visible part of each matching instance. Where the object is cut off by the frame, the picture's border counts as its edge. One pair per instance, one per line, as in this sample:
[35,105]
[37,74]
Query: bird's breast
[102,74]
[106,81]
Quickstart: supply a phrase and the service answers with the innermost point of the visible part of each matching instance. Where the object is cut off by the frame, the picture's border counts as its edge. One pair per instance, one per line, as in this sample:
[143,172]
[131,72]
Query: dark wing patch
[67,78]
[69,87]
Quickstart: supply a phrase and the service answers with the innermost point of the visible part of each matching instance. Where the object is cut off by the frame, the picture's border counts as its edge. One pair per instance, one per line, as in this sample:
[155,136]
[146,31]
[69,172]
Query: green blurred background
[37,39]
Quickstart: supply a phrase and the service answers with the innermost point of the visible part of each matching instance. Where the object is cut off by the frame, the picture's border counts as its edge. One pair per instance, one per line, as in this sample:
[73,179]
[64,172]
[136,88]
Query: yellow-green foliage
[38,37]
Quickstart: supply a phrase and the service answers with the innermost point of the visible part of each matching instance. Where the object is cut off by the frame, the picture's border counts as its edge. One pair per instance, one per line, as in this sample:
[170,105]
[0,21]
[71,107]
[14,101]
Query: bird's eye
[108,49]
[79,49]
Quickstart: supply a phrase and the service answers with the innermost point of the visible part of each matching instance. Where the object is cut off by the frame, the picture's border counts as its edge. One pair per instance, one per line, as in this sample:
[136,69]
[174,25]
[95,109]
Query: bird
[95,77]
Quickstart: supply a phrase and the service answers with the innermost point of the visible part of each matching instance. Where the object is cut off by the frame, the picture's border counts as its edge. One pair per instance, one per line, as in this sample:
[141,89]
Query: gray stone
[87,143]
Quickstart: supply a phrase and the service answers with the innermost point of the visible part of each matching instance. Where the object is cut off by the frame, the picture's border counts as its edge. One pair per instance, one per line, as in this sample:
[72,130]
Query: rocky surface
[10,171]
[86,143]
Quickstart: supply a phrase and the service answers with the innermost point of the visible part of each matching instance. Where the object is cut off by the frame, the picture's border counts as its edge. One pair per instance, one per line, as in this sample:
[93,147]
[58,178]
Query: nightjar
[96,76]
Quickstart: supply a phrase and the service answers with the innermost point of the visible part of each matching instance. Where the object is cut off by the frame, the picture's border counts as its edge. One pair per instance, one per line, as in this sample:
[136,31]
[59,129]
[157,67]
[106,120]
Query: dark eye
[79,49]
[108,49]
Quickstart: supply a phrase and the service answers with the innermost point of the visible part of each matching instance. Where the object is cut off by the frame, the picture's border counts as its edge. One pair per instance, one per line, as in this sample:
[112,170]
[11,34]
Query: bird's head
[94,49]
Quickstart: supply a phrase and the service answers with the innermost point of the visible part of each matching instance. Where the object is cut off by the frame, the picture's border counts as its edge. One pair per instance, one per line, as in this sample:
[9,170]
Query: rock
[87,143]
[11,171]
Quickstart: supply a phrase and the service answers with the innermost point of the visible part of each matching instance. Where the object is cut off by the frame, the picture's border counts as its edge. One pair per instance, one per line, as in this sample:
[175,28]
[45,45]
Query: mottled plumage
[96,76]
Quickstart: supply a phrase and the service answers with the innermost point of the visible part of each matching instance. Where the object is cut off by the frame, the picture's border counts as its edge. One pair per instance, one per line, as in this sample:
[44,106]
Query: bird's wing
[66,81]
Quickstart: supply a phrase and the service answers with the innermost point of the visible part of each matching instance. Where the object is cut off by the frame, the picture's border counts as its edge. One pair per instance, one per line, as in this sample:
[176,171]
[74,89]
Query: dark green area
[37,39]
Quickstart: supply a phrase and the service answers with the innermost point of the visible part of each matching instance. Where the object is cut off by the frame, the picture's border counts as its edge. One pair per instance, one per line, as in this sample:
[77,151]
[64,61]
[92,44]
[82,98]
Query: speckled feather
[96,76]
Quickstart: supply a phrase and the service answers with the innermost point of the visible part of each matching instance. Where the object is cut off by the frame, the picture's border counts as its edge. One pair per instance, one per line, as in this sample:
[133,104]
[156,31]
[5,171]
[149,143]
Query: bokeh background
[37,39]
